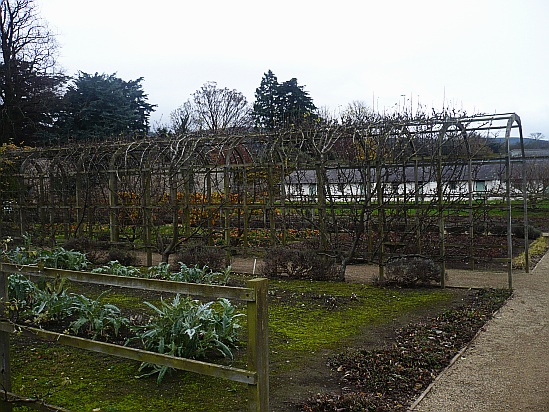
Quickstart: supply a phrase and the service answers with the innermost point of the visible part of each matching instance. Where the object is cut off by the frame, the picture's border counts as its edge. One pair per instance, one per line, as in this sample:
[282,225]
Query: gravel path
[506,367]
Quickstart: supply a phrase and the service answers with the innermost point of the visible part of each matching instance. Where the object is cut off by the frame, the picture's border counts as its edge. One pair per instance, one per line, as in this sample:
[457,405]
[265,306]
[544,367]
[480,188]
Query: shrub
[81,244]
[410,271]
[533,232]
[92,248]
[299,264]
[125,257]
[498,230]
[201,255]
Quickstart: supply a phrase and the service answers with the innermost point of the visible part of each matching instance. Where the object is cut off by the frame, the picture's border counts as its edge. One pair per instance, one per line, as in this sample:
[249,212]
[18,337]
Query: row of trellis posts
[158,194]
[342,181]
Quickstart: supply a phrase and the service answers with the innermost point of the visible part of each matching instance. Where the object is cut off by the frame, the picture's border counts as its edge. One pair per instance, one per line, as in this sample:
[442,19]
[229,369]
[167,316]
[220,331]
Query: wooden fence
[255,295]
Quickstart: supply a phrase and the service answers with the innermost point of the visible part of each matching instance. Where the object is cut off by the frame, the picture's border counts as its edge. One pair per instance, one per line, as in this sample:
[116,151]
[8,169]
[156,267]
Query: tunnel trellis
[354,187]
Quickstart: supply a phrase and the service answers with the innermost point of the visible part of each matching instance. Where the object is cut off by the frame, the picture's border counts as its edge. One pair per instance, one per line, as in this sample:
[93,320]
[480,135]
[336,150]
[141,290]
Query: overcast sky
[481,56]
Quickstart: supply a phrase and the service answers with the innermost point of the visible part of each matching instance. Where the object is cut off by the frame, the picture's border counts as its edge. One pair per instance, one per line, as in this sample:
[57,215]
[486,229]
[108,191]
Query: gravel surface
[506,367]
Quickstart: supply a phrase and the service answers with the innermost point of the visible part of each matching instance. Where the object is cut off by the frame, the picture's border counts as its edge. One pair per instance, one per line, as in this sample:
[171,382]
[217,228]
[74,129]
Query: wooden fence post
[5,368]
[258,346]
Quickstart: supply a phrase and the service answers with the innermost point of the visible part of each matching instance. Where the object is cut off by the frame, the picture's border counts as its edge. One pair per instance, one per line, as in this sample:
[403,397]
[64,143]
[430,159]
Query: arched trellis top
[253,148]
[246,178]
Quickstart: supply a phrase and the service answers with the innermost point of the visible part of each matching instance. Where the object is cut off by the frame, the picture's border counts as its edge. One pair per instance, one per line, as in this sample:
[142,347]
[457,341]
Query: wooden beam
[191,365]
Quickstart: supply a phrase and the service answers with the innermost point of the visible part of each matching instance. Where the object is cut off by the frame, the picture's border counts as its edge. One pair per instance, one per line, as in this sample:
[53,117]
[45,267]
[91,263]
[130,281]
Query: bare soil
[291,388]
[362,273]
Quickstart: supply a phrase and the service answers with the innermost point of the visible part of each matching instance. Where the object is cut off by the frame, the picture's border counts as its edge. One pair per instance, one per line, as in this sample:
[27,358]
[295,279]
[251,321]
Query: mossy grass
[304,317]
[536,250]
[326,314]
[84,381]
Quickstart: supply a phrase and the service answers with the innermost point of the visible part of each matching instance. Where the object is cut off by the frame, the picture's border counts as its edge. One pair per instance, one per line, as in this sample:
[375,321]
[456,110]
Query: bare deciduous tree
[212,109]
[536,179]
[536,136]
[25,36]
[27,79]
[182,119]
[220,109]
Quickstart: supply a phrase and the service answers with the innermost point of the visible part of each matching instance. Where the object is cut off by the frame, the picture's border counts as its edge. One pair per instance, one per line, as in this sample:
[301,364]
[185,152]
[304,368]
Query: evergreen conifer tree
[281,104]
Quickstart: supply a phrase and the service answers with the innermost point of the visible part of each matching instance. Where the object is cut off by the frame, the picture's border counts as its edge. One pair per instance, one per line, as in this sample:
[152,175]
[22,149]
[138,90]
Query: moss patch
[307,316]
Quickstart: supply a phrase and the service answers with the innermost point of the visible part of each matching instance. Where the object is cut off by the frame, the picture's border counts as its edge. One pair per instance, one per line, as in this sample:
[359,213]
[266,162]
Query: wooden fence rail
[255,295]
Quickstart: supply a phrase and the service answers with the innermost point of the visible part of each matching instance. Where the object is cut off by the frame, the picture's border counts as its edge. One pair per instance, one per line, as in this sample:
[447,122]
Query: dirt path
[506,368]
[367,274]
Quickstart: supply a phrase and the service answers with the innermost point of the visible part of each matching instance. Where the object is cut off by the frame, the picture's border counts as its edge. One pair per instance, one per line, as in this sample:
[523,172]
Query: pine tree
[281,104]
[266,109]
[297,105]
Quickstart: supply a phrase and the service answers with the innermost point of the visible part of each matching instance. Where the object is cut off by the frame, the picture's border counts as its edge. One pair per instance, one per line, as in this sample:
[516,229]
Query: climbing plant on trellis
[357,190]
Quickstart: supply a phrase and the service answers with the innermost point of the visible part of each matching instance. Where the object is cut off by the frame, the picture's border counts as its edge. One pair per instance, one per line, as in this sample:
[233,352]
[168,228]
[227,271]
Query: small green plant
[160,271]
[188,328]
[51,301]
[61,258]
[20,288]
[114,267]
[21,294]
[22,256]
[225,321]
[197,274]
[95,318]
[57,257]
